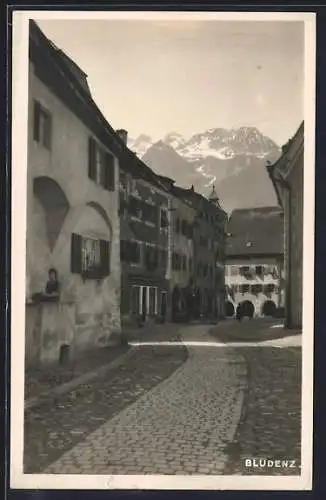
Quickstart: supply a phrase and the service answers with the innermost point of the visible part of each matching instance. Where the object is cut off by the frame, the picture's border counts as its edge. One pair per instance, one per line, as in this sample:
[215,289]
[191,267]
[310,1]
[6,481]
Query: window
[203,241]
[130,251]
[244,269]
[177,225]
[259,270]
[151,258]
[135,299]
[199,268]
[234,270]
[42,125]
[90,257]
[184,227]
[149,213]
[184,262]
[243,289]
[164,219]
[190,230]
[210,271]
[270,288]
[162,258]
[190,264]
[100,165]
[255,289]
[205,270]
[176,261]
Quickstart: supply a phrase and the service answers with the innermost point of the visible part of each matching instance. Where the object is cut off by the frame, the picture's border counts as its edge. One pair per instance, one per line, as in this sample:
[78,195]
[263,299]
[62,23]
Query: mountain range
[234,160]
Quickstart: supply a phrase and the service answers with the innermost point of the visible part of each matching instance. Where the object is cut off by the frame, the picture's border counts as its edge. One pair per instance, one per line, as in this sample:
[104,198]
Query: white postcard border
[19,185]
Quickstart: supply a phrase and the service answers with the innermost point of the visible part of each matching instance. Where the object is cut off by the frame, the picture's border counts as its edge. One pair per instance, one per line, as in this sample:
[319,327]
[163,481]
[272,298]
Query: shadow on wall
[55,204]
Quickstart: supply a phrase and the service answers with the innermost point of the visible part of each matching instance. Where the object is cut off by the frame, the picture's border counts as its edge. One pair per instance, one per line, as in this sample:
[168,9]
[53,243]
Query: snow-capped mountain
[140,145]
[232,159]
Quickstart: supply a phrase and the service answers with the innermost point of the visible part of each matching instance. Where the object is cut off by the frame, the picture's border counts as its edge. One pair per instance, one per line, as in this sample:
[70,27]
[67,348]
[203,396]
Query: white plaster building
[254,264]
[72,209]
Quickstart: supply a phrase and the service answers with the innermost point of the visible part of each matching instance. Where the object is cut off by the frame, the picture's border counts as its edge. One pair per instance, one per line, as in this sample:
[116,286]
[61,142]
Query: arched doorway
[246,309]
[229,309]
[269,308]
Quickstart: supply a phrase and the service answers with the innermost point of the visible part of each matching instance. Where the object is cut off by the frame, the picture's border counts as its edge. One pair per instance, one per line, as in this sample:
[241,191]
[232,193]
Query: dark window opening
[90,257]
[100,165]
[42,125]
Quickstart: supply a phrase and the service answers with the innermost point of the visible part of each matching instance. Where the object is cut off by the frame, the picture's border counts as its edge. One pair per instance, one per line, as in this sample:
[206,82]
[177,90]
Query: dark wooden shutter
[105,249]
[76,254]
[36,124]
[109,177]
[91,159]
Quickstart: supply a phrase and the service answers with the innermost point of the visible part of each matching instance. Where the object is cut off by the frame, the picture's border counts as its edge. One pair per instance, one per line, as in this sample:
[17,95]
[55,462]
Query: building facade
[73,225]
[254,270]
[208,248]
[181,254]
[287,177]
[144,250]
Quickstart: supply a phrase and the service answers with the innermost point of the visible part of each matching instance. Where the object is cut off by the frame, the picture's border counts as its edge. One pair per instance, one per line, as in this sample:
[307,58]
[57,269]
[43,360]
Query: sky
[156,77]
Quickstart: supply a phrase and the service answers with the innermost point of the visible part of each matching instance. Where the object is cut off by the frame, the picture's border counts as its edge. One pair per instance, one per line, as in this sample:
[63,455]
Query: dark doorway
[144,303]
[229,309]
[164,303]
[269,308]
[245,309]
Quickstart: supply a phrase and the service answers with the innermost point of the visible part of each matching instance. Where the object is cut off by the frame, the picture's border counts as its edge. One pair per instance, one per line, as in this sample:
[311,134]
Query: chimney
[123,134]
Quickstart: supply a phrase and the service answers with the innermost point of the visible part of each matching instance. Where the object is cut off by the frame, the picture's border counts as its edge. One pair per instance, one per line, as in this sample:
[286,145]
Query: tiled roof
[255,231]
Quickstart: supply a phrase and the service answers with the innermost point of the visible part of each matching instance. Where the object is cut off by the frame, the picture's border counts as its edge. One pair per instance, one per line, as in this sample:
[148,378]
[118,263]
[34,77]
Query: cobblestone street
[171,409]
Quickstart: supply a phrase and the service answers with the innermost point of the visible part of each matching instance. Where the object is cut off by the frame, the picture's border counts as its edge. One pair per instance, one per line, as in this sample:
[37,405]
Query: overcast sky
[156,77]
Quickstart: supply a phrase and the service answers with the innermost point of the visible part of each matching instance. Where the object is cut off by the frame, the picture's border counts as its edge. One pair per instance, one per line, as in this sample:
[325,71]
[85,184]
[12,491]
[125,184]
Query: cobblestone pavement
[270,427]
[225,404]
[182,426]
[56,425]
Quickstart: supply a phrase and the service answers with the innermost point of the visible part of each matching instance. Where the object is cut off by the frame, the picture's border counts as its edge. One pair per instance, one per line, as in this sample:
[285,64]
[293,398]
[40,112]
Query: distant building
[72,210]
[287,177]
[254,261]
[208,239]
[182,253]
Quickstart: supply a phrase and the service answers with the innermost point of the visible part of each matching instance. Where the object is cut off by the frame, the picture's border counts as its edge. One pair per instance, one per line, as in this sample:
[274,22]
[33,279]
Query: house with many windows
[287,177]
[205,235]
[181,252]
[144,248]
[254,271]
[73,225]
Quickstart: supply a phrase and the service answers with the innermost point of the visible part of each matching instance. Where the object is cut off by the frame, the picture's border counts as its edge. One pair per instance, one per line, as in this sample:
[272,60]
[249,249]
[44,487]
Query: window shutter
[91,159]
[36,124]
[109,177]
[76,254]
[105,253]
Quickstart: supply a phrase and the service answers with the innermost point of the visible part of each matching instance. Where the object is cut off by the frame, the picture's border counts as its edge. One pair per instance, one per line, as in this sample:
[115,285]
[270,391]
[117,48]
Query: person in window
[51,289]
[52,285]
